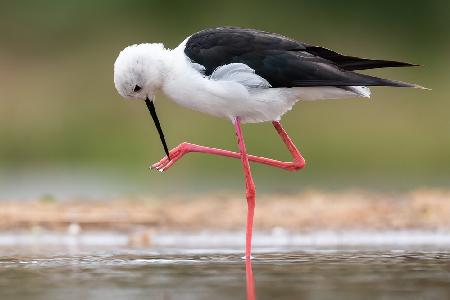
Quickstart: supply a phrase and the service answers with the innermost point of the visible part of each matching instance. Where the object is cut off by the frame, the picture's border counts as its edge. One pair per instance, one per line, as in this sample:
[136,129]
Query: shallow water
[197,274]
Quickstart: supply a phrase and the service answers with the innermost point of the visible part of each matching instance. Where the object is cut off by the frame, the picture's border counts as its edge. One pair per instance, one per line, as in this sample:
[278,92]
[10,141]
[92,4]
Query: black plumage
[282,61]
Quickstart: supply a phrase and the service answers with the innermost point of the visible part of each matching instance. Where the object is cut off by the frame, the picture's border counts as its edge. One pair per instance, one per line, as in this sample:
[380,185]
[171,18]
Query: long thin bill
[152,110]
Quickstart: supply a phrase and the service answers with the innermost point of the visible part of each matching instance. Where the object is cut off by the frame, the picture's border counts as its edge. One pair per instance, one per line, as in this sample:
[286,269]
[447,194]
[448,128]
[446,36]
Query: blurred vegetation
[58,105]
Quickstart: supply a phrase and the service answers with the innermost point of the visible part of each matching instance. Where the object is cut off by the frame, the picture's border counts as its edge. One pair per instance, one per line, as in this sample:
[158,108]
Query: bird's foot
[175,154]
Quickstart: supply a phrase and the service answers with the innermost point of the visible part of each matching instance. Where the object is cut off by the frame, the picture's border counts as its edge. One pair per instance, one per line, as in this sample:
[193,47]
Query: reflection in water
[250,281]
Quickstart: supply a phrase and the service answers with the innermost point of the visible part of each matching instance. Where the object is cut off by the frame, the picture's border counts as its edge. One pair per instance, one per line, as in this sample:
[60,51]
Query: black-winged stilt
[247,76]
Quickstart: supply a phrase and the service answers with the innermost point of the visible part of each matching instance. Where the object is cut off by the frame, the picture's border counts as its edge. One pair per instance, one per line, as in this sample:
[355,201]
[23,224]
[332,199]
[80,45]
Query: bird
[246,76]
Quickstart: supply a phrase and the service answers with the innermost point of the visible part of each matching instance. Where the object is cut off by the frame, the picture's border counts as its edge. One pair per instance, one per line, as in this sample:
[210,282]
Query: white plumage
[247,76]
[232,90]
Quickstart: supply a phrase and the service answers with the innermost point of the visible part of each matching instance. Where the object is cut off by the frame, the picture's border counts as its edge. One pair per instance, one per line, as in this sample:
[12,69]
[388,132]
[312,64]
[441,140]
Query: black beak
[151,109]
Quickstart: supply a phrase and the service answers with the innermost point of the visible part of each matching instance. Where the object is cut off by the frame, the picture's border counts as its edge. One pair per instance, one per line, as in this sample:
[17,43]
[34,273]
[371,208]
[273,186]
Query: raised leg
[298,161]
[250,188]
[176,153]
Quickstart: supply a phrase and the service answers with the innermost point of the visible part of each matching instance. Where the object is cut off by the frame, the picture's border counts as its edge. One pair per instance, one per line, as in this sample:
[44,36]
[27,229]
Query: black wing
[283,62]
[351,63]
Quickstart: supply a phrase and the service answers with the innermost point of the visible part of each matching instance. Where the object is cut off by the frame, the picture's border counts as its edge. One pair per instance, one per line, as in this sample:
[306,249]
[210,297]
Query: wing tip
[410,85]
[406,64]
[395,83]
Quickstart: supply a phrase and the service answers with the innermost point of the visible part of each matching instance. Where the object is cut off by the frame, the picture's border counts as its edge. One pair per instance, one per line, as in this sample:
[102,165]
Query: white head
[139,70]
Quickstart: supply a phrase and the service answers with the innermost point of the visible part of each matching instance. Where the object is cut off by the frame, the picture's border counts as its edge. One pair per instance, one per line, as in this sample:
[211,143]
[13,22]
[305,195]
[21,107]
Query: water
[221,274]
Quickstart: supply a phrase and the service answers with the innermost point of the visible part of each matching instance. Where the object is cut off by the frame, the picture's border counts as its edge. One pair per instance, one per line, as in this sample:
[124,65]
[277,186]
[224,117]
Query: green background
[61,118]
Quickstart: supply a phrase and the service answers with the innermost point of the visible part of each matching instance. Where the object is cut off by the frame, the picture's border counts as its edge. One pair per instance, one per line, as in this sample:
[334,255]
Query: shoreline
[307,211]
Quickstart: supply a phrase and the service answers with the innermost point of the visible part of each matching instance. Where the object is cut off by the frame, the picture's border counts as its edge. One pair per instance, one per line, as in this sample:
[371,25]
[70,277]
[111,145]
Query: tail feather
[355,63]
[351,63]
[362,91]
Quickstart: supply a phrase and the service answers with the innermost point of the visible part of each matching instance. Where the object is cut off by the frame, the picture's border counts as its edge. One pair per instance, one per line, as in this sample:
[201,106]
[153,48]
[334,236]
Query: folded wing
[283,62]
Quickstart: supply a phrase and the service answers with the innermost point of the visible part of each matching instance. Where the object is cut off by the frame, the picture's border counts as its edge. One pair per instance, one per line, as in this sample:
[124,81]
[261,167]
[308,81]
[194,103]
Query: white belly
[231,100]
[252,105]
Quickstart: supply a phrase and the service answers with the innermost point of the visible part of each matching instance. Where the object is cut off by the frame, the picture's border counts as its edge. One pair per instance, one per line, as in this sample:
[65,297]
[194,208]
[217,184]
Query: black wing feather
[354,63]
[282,61]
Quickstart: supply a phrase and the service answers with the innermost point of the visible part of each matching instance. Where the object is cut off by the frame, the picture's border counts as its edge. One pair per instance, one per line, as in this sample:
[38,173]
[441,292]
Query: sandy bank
[312,210]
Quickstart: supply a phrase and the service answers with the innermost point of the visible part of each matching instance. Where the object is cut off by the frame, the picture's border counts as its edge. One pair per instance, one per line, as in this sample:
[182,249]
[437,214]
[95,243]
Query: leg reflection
[249,279]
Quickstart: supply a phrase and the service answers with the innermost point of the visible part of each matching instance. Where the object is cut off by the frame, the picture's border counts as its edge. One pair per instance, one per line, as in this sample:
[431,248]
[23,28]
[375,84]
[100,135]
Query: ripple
[200,274]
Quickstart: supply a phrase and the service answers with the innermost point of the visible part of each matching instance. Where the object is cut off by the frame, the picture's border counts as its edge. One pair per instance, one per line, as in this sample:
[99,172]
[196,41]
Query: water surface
[221,274]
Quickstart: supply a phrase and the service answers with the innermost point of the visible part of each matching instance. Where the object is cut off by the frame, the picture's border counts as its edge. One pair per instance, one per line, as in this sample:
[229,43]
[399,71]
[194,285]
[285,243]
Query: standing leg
[250,188]
[250,281]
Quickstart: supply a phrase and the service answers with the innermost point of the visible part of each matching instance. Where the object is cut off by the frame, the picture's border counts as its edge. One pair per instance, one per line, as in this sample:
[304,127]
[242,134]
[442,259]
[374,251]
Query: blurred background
[64,130]
[81,213]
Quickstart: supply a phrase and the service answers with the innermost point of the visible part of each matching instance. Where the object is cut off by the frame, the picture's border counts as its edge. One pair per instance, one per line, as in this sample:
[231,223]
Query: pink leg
[297,163]
[176,153]
[298,160]
[251,295]
[250,188]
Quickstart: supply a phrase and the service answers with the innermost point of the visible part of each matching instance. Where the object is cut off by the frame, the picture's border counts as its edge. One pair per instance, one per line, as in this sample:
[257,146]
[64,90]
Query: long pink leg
[298,160]
[176,153]
[250,188]
[251,295]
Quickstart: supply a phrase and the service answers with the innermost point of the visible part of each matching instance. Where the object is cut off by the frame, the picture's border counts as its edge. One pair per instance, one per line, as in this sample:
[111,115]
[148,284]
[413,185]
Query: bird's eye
[137,88]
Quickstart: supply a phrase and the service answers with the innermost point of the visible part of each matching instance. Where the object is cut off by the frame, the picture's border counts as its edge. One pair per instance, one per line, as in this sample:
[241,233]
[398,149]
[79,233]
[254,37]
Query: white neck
[181,78]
